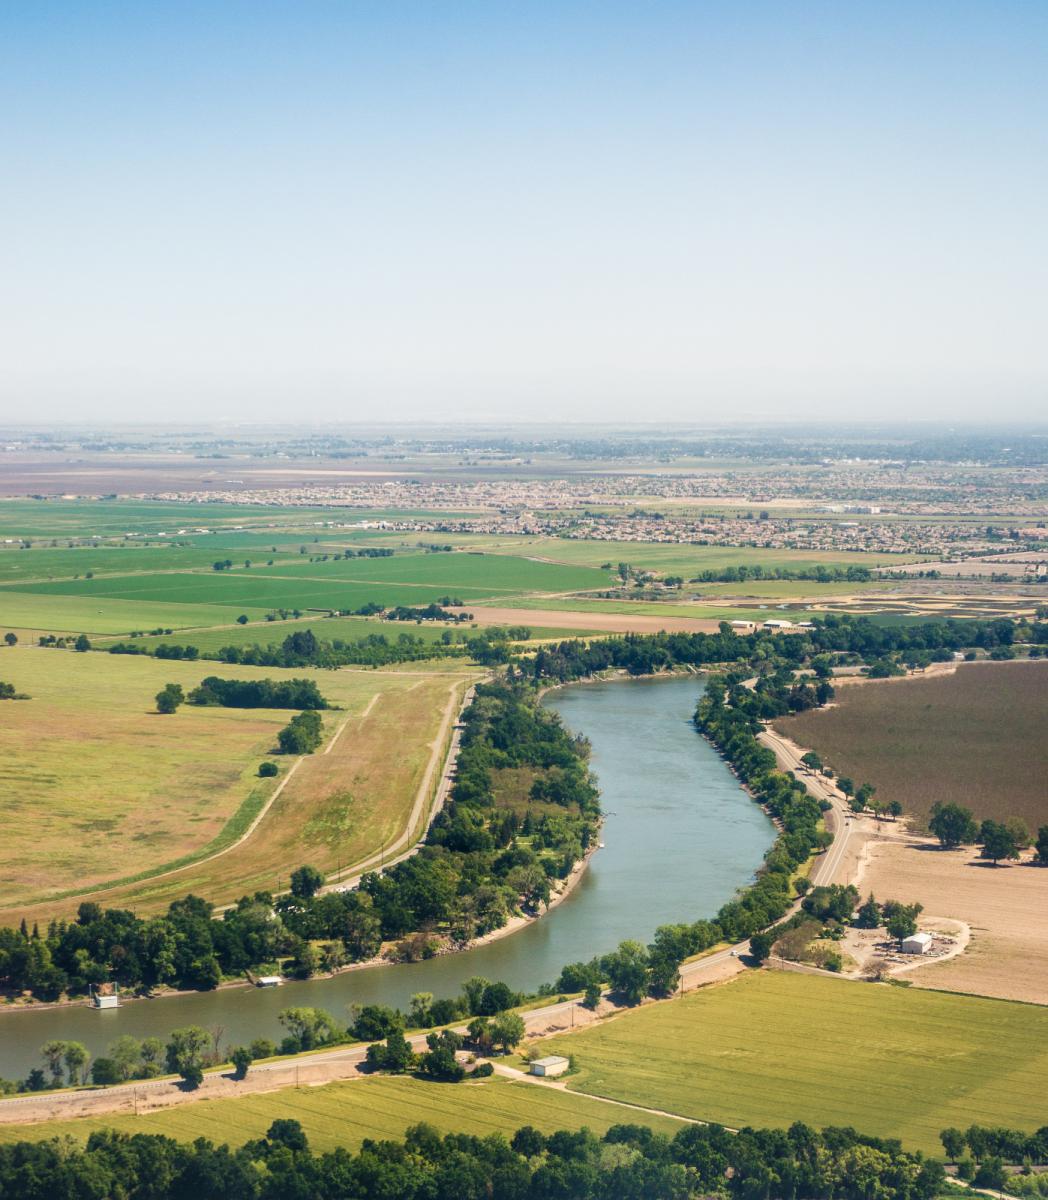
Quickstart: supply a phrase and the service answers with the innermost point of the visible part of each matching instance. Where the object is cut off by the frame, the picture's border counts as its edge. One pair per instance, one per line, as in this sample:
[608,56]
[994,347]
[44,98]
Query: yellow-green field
[776,1047]
[343,1114]
[97,786]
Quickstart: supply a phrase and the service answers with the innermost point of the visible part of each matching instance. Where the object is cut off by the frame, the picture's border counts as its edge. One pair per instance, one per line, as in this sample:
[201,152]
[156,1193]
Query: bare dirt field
[1006,908]
[605,622]
[974,736]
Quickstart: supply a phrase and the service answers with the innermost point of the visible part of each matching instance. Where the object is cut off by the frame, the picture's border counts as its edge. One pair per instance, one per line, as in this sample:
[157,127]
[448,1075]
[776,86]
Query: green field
[104,614]
[343,1114]
[775,1047]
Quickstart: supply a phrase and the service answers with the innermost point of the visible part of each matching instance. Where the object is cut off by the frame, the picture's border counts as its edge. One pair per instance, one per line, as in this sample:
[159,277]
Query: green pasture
[773,1047]
[344,1113]
[101,614]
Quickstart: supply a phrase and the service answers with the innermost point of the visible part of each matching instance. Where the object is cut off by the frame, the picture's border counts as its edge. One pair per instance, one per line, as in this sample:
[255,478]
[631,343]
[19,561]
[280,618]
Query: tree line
[954,826]
[629,1161]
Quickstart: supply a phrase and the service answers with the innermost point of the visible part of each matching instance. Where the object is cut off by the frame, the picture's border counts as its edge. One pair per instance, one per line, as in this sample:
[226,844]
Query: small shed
[106,995]
[917,943]
[268,981]
[743,626]
[554,1064]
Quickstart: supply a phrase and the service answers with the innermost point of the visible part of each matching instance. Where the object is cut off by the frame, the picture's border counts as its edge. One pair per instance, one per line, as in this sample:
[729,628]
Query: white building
[553,1065]
[775,624]
[917,943]
[743,626]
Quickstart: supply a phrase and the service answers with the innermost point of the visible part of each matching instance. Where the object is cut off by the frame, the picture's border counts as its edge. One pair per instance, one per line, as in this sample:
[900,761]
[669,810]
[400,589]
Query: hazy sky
[562,210]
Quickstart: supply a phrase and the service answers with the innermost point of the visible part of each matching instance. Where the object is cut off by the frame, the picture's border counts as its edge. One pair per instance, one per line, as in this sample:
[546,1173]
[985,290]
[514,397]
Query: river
[680,838]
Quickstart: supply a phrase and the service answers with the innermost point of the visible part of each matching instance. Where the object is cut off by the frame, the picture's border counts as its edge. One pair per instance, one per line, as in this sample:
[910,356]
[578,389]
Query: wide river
[680,838]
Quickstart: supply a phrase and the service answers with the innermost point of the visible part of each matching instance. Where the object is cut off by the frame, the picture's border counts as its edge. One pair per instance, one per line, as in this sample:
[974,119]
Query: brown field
[603,622]
[1006,907]
[118,770]
[975,736]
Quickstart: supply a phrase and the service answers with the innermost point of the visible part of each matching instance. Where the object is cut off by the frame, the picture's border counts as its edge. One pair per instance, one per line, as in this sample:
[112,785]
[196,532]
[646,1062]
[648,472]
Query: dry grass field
[98,787]
[976,737]
[1006,907]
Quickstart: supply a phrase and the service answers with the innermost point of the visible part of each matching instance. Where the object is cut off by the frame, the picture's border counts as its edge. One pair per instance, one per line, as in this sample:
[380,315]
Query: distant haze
[558,211]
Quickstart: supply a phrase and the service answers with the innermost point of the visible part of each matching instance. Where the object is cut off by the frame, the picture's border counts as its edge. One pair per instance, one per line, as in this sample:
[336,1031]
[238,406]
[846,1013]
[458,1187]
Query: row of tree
[629,1161]
[954,826]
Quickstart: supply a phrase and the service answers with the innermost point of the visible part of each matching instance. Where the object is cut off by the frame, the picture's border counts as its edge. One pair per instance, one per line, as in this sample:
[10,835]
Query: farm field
[975,737]
[1006,908]
[104,614]
[343,1114]
[346,629]
[772,1048]
[626,608]
[124,787]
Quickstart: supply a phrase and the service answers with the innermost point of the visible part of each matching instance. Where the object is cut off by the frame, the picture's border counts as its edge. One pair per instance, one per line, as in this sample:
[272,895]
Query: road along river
[680,838]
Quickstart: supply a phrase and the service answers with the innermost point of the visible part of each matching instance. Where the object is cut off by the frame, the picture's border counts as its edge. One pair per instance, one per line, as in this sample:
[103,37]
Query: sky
[569,211]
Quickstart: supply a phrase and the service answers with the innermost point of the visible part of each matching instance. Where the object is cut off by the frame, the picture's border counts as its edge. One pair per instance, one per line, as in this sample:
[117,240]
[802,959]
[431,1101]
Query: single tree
[240,1057]
[267,770]
[812,761]
[507,1030]
[168,700]
[998,842]
[306,881]
[591,997]
[11,639]
[242,619]
[952,824]
[901,924]
[1042,845]
[186,1053]
[760,947]
[953,1143]
[869,915]
[81,644]
[76,1056]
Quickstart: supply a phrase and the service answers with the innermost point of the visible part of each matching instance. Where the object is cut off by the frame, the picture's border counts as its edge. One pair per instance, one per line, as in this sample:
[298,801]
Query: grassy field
[725,612]
[343,1114]
[346,629]
[99,787]
[975,737]
[774,1047]
[104,614]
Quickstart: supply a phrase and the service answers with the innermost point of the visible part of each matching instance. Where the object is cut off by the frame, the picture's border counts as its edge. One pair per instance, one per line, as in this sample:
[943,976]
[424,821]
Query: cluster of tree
[431,612]
[8,691]
[258,693]
[982,1156]
[169,698]
[818,574]
[302,734]
[628,1161]
[80,643]
[954,825]
[163,650]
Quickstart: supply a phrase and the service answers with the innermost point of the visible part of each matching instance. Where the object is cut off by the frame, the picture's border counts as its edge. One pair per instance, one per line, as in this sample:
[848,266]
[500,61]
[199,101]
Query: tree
[894,809]
[952,824]
[863,796]
[52,1053]
[953,1143]
[267,770]
[760,947]
[242,619]
[846,785]
[627,971]
[592,995]
[240,1057]
[186,1053]
[306,882]
[901,924]
[998,842]
[1042,845]
[394,1055]
[869,915]
[104,1071]
[418,1014]
[812,761]
[168,700]
[1017,828]
[11,639]
[76,1056]
[507,1030]
[82,644]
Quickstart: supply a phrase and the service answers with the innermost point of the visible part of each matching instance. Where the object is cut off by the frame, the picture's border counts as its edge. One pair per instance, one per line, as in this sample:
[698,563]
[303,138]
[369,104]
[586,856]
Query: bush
[267,770]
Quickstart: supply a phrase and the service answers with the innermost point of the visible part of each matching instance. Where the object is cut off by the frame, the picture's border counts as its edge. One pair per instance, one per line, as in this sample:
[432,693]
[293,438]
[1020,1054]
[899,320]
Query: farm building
[917,943]
[553,1065]
[776,625]
[743,626]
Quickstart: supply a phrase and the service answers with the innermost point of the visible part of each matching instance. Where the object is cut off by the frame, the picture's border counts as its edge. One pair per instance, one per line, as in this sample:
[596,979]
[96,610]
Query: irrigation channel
[680,837]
